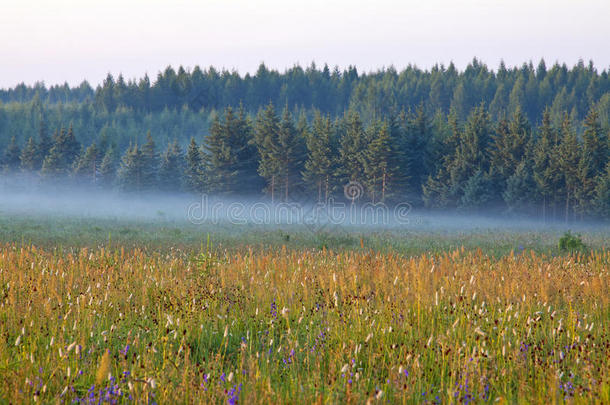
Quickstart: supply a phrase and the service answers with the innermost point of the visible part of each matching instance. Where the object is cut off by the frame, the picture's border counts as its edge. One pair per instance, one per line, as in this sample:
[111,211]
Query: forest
[522,140]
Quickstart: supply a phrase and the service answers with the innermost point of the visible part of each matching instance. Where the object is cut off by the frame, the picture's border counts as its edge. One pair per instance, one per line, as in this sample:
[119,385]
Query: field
[118,311]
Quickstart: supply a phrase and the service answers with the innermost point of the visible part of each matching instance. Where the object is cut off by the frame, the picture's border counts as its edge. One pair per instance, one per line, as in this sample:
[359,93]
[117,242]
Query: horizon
[319,66]
[70,42]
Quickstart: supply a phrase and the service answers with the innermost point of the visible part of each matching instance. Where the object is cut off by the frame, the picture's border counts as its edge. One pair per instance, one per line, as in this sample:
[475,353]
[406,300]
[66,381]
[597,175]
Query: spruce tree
[376,162]
[54,164]
[29,156]
[88,166]
[439,191]
[519,193]
[477,191]
[266,139]
[193,174]
[469,167]
[601,194]
[592,162]
[416,147]
[171,172]
[352,148]
[63,154]
[108,168]
[321,159]
[595,143]
[150,168]
[509,147]
[244,146]
[69,147]
[289,152]
[133,171]
[545,164]
[12,155]
[569,158]
[230,158]
[45,143]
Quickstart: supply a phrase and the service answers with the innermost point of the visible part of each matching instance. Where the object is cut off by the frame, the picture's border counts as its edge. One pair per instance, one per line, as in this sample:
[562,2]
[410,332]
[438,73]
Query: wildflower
[125,350]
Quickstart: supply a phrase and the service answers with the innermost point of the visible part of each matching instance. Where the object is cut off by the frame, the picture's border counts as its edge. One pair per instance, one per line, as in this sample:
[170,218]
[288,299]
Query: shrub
[571,243]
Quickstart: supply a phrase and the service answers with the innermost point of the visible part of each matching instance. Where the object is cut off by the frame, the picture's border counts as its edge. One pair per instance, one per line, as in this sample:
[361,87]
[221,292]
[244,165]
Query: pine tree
[12,154]
[29,156]
[171,171]
[150,171]
[133,171]
[88,166]
[321,159]
[193,181]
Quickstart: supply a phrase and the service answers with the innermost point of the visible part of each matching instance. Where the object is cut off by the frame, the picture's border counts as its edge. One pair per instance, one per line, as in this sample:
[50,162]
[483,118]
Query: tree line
[177,103]
[435,160]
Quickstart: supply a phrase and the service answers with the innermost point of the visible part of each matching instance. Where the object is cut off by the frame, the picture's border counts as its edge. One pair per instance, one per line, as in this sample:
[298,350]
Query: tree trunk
[383,187]
[272,187]
[544,209]
[319,190]
[567,203]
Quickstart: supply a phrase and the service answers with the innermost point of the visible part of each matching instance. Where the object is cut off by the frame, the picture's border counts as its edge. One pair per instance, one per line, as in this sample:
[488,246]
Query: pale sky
[68,40]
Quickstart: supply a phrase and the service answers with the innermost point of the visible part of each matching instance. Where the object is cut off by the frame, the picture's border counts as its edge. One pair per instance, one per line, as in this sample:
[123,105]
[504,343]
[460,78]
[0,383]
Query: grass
[161,310]
[306,325]
[162,235]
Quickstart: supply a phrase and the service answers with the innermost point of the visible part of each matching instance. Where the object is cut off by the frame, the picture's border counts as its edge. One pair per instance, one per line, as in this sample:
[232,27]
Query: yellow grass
[302,326]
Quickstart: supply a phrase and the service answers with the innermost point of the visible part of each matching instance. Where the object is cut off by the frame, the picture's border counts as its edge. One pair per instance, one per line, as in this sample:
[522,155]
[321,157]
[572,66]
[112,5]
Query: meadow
[117,324]
[156,309]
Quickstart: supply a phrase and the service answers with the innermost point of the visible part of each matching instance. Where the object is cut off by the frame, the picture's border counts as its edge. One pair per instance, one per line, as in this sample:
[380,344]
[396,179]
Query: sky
[61,41]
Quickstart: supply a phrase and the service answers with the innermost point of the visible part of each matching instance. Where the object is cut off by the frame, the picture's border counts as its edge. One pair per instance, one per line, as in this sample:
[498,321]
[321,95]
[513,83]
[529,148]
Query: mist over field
[18,198]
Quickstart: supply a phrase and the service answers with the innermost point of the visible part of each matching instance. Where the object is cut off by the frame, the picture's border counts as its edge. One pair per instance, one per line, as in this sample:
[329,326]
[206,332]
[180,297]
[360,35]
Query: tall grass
[305,326]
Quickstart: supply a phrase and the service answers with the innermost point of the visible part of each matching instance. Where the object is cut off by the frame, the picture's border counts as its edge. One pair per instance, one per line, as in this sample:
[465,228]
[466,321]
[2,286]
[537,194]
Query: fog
[31,200]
